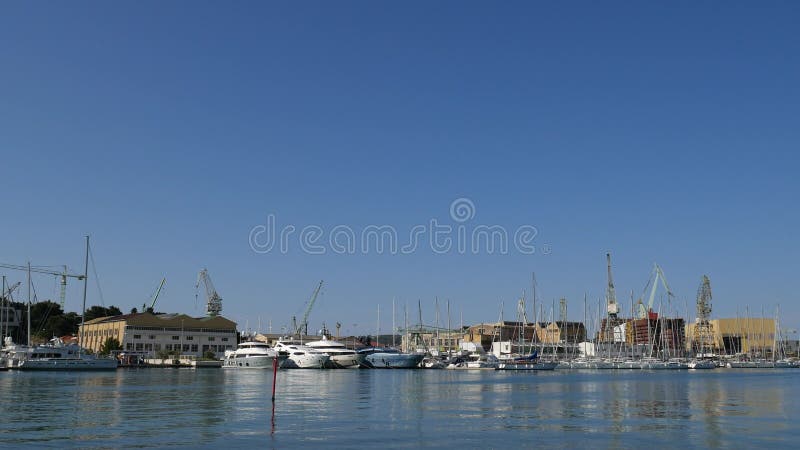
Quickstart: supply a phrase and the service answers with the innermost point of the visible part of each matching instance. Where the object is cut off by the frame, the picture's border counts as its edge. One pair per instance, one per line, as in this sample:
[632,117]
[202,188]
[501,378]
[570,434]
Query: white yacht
[341,356]
[302,356]
[253,355]
[698,364]
[55,355]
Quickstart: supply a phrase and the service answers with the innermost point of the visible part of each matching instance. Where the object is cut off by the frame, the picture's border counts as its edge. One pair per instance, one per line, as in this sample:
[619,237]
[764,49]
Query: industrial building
[753,336]
[150,333]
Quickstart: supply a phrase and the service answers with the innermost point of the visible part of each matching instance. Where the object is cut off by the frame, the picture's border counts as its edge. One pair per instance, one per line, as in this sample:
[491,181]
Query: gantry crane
[213,300]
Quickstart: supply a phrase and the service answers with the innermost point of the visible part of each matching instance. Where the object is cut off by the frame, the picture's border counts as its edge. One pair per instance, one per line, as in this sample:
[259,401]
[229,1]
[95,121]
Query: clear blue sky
[167,130]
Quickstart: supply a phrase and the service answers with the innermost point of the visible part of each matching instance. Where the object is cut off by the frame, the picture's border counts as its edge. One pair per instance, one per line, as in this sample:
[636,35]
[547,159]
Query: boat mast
[29,303]
[449,330]
[2,309]
[85,281]
[393,325]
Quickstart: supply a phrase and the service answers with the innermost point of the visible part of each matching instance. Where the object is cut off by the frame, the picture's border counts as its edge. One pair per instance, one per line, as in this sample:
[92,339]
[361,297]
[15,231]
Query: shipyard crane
[155,296]
[63,274]
[611,295]
[213,300]
[646,311]
[303,326]
[703,332]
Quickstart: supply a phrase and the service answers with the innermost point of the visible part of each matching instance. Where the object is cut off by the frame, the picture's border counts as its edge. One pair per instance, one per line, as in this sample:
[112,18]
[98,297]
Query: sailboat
[525,362]
[56,355]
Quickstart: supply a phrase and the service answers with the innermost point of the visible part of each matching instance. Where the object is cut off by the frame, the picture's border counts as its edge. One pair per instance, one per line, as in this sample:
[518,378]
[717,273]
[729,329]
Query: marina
[446,225]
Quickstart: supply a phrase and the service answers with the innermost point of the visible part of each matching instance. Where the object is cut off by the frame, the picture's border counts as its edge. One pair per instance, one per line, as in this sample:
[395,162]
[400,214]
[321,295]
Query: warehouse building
[741,335]
[151,334]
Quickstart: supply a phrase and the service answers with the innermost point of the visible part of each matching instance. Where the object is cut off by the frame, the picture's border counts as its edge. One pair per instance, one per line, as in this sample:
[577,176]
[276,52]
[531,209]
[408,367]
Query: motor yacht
[253,355]
[301,356]
[341,356]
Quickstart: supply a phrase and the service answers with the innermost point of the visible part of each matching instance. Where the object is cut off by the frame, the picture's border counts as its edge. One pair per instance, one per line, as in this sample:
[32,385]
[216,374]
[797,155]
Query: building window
[152,337]
[167,347]
[157,347]
[148,347]
[176,338]
[139,346]
[194,347]
[185,348]
[189,338]
[211,339]
[224,339]
[129,346]
[137,336]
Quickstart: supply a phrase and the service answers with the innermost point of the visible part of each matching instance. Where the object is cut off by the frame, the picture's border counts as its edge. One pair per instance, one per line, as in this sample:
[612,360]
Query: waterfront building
[430,339]
[543,333]
[484,334]
[560,332]
[152,334]
[665,334]
[754,336]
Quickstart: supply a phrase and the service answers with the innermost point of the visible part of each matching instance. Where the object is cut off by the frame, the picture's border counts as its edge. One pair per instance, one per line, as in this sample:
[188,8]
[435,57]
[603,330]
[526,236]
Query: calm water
[399,408]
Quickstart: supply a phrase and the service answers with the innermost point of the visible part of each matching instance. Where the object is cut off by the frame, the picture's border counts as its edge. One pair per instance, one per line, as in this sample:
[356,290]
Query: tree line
[49,320]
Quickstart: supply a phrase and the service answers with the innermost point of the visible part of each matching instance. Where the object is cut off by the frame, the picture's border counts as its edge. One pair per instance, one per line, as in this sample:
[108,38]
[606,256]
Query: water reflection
[397,408]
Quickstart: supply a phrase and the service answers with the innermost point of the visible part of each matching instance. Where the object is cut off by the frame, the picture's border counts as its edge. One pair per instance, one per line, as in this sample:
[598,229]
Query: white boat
[301,356]
[785,364]
[341,356]
[751,364]
[526,365]
[55,355]
[433,363]
[657,364]
[390,358]
[698,364]
[481,361]
[525,362]
[627,363]
[252,355]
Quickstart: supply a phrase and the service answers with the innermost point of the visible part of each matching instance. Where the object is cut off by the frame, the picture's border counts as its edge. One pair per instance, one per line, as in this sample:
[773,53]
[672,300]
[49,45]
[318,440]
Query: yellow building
[741,335]
[151,333]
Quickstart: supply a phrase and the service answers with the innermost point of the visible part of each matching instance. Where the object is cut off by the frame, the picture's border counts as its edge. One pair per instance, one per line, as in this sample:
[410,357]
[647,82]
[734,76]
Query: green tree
[100,311]
[110,345]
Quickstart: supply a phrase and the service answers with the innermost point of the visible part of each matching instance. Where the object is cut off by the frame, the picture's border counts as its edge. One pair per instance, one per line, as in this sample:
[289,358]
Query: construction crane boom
[213,299]
[303,326]
[10,290]
[63,274]
[158,292]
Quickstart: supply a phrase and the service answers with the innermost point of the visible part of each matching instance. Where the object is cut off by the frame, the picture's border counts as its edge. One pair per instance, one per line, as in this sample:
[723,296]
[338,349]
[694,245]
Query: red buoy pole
[274,376]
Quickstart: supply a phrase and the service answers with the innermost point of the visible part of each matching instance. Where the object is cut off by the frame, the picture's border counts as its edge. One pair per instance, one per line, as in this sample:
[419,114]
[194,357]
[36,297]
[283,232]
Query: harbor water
[720,408]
